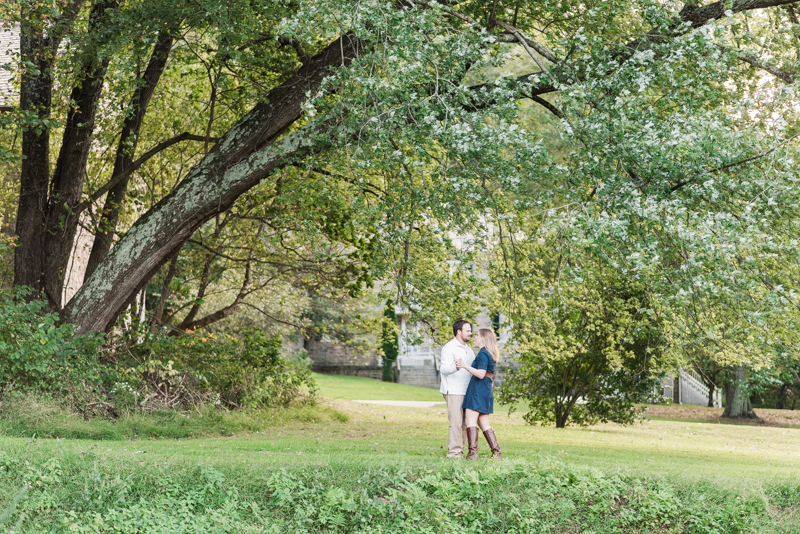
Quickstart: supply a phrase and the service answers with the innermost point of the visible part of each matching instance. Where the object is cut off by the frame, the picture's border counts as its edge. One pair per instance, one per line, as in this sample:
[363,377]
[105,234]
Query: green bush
[38,354]
[205,368]
[587,352]
[161,373]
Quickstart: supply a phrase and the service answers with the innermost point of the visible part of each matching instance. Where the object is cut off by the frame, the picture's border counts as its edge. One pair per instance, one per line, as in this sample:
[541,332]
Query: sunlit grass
[738,455]
[697,458]
[352,388]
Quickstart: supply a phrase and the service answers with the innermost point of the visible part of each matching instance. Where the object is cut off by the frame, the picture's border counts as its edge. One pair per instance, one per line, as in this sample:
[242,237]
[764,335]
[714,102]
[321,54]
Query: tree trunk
[67,183]
[737,403]
[562,416]
[711,389]
[782,396]
[387,374]
[155,323]
[127,149]
[35,97]
[45,223]
[245,155]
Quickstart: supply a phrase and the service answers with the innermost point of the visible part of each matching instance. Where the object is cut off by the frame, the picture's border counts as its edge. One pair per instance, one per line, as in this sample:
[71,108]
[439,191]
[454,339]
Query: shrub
[40,354]
[203,367]
[162,372]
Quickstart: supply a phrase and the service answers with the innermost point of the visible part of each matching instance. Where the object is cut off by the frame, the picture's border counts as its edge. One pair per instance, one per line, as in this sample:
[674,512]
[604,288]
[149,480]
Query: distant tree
[737,394]
[708,368]
[389,343]
[336,317]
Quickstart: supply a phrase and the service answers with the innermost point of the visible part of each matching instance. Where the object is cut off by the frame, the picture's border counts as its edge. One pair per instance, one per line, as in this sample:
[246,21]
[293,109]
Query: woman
[479,400]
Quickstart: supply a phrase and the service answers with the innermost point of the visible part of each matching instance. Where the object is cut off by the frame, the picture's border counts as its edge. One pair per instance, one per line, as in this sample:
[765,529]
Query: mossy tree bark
[249,152]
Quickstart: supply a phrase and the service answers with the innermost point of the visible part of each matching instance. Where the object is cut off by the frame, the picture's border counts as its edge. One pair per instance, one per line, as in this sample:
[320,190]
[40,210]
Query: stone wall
[419,375]
[337,359]
[364,371]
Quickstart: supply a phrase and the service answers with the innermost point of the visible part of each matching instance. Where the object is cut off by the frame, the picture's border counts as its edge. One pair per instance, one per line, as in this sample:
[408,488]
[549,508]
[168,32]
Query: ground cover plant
[383,471]
[141,372]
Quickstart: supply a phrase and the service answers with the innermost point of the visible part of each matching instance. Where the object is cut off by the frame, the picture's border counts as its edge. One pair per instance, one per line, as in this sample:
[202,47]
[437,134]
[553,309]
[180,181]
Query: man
[454,385]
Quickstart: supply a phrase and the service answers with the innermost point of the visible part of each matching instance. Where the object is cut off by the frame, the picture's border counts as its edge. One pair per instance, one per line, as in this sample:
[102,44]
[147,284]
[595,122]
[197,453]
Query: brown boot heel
[491,439]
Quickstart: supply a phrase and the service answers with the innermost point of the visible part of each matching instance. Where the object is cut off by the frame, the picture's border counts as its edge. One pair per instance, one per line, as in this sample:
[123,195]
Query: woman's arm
[477,373]
[479,361]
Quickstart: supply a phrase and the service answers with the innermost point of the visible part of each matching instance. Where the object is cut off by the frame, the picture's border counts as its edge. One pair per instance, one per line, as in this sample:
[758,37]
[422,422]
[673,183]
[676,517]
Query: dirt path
[406,404]
[779,418]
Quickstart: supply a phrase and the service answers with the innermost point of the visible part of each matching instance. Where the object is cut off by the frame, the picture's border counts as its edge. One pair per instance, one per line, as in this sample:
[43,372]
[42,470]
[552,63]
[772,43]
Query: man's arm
[448,361]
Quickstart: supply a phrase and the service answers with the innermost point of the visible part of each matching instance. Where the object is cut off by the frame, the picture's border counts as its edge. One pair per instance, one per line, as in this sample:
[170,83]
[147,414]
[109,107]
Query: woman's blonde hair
[490,342]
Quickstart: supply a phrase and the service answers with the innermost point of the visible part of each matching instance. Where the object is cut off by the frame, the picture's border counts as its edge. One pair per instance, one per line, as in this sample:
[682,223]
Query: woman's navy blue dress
[479,396]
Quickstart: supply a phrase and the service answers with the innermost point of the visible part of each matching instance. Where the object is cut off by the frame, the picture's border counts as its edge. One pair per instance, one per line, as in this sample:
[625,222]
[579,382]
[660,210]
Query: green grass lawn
[355,388]
[701,460]
[676,447]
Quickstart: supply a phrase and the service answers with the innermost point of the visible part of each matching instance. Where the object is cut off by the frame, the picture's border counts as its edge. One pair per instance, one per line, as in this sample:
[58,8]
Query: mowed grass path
[742,456]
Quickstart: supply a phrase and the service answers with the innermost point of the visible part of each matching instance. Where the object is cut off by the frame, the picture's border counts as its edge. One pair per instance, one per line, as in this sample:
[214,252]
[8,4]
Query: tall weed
[78,493]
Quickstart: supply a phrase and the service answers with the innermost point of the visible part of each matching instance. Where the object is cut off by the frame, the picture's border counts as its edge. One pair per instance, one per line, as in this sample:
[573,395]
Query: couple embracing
[466,384]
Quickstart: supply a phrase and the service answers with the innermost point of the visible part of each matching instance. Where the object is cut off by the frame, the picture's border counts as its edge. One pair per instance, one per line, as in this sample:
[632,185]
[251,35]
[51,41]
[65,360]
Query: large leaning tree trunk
[737,402]
[249,152]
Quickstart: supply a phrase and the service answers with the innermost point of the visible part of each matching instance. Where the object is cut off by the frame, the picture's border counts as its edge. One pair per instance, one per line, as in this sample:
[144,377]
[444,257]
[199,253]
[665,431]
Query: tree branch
[548,106]
[185,136]
[224,312]
[784,75]
[280,39]
[701,15]
[265,314]
[371,189]
[737,163]
[527,42]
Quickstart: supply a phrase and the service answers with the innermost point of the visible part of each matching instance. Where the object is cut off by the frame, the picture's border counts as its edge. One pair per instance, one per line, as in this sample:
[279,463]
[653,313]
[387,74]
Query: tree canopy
[361,141]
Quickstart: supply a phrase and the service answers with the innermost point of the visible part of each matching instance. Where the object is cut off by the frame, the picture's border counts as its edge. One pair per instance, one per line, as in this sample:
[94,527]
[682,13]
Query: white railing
[695,381]
[419,351]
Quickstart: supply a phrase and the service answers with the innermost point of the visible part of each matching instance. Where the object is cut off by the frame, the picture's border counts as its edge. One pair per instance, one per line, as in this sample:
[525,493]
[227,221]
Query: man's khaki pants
[458,425]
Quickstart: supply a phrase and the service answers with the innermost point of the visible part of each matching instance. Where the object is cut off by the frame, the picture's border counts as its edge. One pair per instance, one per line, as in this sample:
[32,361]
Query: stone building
[417,364]
[9,48]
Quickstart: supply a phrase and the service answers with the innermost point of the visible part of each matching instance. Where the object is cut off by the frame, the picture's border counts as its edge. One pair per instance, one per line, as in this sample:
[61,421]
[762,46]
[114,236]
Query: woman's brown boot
[472,442]
[491,439]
